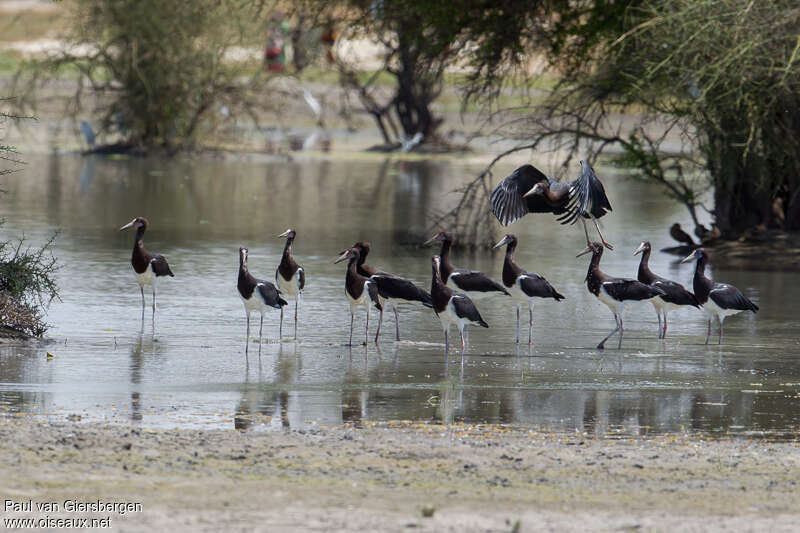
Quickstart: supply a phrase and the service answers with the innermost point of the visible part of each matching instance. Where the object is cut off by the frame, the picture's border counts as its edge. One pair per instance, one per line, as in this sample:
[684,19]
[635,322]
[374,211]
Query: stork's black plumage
[147,267]
[256,294]
[529,190]
[475,284]
[614,292]
[452,307]
[524,285]
[290,277]
[681,236]
[675,295]
[717,299]
[391,288]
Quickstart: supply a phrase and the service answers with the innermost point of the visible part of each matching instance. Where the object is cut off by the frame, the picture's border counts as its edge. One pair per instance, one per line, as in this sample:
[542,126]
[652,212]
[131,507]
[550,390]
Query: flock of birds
[453,290]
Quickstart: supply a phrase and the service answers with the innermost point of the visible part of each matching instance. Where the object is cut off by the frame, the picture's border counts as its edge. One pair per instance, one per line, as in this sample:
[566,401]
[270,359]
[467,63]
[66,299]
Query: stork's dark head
[138,222]
[242,255]
[441,236]
[675,227]
[595,248]
[699,254]
[351,253]
[538,188]
[363,247]
[436,263]
[510,239]
[643,247]
[289,234]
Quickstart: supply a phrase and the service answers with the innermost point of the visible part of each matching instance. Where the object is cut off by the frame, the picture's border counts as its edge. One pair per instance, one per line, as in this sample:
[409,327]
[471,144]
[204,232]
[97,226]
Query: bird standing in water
[452,307]
[360,291]
[147,267]
[717,299]
[614,292]
[524,286]
[391,288]
[290,277]
[529,190]
[257,295]
[675,295]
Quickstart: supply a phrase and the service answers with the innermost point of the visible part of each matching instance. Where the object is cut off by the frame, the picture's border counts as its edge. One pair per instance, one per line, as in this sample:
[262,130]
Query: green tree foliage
[157,71]
[721,76]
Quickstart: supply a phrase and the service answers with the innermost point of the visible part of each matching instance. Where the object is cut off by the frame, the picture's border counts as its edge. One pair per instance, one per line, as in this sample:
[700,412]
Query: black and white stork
[360,291]
[529,190]
[256,294]
[524,286]
[614,292]
[717,299]
[147,267]
[452,307]
[290,277]
[391,288]
[675,295]
[471,282]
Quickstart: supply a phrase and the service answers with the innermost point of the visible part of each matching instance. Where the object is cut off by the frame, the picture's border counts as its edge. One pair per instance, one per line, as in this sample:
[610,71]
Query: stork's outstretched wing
[507,202]
[587,197]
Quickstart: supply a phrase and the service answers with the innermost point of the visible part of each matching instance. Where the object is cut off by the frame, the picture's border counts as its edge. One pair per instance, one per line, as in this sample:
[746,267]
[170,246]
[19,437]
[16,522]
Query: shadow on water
[193,372]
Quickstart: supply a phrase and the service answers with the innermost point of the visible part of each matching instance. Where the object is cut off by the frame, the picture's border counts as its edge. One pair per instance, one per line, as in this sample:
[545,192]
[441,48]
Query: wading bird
[452,307]
[257,295]
[290,277]
[475,284]
[360,291]
[529,190]
[675,295]
[148,267]
[614,292]
[391,288]
[717,299]
[524,286]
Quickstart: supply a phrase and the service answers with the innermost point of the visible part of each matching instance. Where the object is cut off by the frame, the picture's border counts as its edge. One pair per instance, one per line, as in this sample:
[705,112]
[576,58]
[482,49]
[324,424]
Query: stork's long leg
[664,334]
[517,323]
[296,306]
[396,324]
[446,341]
[366,329]
[247,339]
[352,318]
[659,323]
[141,289]
[621,332]
[462,330]
[605,243]
[154,301]
[708,335]
[721,318]
[280,328]
[380,321]
[261,328]
[530,324]
[586,231]
[603,342]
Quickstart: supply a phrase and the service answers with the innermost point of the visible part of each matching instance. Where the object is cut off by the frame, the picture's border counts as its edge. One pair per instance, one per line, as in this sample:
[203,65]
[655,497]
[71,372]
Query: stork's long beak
[639,250]
[501,243]
[688,257]
[431,240]
[285,233]
[342,257]
[586,251]
[128,225]
[530,191]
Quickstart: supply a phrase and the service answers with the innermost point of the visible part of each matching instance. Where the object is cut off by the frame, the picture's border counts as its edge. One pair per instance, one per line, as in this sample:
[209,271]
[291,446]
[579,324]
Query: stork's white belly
[254,303]
[147,277]
[614,305]
[712,309]
[290,287]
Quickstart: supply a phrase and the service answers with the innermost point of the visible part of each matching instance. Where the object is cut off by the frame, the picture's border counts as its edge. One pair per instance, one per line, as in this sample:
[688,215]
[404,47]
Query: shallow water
[188,369]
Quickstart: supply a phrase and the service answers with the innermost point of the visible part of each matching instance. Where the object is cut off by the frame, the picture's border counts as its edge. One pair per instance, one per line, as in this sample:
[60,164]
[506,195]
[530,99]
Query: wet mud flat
[404,477]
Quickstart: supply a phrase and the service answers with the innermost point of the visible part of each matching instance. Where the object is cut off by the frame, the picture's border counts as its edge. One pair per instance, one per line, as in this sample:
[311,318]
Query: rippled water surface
[189,368]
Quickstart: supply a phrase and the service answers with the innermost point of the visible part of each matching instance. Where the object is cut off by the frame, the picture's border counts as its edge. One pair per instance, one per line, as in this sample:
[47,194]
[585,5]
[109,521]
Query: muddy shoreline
[389,477]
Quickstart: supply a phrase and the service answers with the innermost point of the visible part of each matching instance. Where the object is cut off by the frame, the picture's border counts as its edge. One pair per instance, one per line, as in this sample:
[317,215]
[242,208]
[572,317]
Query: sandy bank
[382,478]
